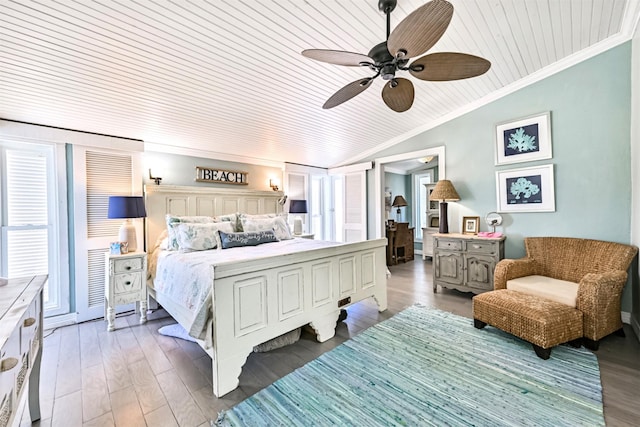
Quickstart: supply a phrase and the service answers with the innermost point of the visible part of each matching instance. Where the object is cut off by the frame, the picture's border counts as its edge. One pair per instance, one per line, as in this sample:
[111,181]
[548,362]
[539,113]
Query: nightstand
[124,284]
[305,235]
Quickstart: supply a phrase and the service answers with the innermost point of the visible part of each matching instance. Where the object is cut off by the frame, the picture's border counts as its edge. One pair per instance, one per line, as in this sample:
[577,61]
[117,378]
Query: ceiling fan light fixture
[413,36]
[388,72]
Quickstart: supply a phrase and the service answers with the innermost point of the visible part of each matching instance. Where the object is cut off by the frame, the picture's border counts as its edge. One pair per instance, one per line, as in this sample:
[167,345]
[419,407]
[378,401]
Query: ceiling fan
[416,34]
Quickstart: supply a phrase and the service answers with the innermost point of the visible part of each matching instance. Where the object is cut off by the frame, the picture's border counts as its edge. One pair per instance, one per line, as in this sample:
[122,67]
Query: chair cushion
[549,288]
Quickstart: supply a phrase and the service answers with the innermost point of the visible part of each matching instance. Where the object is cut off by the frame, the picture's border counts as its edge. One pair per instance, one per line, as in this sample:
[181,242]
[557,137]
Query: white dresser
[20,345]
[125,283]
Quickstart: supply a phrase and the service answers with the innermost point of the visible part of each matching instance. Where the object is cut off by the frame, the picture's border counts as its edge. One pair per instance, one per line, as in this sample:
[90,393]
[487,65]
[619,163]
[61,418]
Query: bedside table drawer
[125,283]
[127,264]
[127,298]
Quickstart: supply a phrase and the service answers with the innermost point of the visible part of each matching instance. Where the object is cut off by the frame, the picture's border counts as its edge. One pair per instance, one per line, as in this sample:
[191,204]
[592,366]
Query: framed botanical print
[526,189]
[524,140]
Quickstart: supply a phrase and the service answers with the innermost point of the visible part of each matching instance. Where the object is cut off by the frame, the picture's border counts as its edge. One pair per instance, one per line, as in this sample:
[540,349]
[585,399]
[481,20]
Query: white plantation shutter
[107,175]
[27,213]
[98,175]
[355,200]
[29,243]
[350,201]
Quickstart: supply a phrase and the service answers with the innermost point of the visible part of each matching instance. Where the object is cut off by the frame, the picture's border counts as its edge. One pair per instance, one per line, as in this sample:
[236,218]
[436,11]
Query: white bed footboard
[256,301]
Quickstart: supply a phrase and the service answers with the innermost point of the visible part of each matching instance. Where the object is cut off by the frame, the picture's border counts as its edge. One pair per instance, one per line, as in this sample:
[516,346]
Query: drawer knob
[128,267]
[127,283]
[29,322]
[8,364]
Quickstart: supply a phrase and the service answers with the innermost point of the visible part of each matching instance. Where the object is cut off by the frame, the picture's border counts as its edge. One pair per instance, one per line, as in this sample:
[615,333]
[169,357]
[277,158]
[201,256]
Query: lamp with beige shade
[444,192]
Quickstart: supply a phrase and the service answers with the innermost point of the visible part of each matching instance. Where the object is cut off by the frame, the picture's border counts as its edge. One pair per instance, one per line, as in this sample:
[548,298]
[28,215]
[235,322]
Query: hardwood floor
[136,377]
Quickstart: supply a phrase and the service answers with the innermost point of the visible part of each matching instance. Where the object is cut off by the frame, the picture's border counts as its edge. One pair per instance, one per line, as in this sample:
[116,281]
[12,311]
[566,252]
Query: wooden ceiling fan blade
[422,29]
[444,66]
[398,98]
[347,92]
[337,57]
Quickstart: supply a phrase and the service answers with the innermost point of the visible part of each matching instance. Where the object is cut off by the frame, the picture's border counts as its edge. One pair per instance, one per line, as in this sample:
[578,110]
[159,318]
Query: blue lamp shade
[298,206]
[126,207]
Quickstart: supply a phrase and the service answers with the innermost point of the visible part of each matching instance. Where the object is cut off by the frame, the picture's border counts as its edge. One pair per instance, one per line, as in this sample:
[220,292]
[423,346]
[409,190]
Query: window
[421,209]
[30,238]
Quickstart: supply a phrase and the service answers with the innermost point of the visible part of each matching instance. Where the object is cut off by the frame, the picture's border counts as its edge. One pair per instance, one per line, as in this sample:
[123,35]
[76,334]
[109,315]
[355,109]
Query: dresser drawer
[480,247]
[453,245]
[127,264]
[125,283]
[30,331]
[10,364]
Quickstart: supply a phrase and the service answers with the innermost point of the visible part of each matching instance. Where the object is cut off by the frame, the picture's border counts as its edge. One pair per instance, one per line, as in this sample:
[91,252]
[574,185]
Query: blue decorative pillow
[251,238]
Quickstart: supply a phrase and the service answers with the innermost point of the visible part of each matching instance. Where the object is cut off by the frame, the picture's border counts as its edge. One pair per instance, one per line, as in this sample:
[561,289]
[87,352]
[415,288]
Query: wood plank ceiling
[227,76]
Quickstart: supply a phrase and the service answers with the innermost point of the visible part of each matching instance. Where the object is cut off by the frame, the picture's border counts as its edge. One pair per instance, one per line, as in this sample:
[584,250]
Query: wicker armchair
[600,269]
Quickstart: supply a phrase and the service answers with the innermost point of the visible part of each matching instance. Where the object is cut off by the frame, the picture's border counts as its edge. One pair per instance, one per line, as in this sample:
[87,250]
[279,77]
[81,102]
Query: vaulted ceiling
[226,78]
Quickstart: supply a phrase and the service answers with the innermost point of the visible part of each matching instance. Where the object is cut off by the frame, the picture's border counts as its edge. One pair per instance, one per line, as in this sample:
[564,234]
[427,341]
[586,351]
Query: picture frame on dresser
[470,225]
[524,140]
[526,189]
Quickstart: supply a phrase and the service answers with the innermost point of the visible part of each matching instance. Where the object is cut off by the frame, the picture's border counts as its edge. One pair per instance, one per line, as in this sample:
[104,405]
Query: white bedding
[186,278]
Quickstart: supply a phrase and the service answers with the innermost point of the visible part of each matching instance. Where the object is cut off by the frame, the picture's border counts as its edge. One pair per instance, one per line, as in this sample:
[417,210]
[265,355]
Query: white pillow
[233,218]
[277,224]
[173,222]
[201,236]
[244,216]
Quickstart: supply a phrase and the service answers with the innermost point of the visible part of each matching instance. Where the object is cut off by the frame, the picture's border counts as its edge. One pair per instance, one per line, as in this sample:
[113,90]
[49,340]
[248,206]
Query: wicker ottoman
[542,322]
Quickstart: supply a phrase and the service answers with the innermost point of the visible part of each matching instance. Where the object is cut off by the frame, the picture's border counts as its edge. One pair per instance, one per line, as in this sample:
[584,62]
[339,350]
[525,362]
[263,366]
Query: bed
[255,294]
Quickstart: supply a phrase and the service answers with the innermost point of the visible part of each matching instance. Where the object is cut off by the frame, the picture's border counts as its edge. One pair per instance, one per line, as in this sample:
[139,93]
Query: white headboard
[181,200]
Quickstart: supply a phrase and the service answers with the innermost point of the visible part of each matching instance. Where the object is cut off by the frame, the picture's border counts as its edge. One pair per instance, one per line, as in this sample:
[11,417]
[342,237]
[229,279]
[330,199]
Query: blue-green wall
[590,124]
[400,185]
[177,169]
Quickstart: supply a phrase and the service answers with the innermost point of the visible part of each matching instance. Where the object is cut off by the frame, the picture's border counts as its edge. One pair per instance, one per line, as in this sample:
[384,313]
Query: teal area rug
[425,367]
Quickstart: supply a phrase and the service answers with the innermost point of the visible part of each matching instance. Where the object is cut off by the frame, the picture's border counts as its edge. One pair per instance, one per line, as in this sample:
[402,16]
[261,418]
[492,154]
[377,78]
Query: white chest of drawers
[125,283]
[20,345]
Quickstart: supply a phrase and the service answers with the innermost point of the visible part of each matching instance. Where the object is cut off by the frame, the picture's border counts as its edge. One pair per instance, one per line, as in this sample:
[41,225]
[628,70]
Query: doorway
[379,183]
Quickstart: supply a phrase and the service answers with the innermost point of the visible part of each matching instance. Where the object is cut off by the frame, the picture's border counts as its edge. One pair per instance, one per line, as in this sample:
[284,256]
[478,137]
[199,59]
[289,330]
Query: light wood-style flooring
[136,377]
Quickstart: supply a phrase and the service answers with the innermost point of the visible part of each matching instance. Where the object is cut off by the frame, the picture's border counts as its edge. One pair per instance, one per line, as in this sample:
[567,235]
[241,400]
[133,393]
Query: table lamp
[127,207]
[297,207]
[443,192]
[399,202]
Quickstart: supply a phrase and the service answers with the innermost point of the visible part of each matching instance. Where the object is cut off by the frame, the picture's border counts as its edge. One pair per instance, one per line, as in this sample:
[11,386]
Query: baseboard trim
[626,317]
[635,325]
[59,321]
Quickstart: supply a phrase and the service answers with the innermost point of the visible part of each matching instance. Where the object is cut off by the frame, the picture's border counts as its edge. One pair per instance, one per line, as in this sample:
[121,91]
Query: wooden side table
[124,284]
